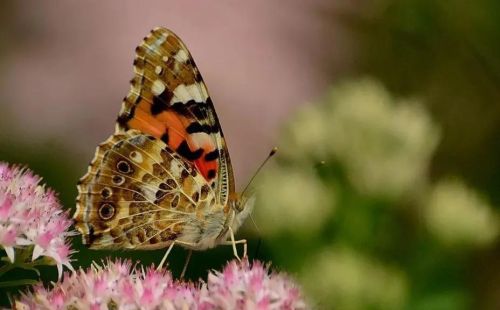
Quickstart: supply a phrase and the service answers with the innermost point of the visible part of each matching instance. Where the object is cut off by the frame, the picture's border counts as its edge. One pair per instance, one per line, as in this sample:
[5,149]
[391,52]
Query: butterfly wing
[166,169]
[139,193]
[169,100]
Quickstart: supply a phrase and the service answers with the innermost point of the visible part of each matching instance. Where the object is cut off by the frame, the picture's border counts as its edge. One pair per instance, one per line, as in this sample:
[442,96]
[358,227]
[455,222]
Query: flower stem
[24,265]
[18,283]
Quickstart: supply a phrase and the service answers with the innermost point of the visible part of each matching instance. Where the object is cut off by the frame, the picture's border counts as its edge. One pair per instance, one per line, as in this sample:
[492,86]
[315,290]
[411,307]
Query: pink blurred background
[68,65]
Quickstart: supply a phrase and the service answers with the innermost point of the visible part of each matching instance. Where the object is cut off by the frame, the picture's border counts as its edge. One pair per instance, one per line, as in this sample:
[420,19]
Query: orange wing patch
[187,136]
[169,100]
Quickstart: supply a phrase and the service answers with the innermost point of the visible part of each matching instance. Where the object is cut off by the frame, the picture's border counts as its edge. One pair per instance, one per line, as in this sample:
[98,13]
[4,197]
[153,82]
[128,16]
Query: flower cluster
[459,216]
[118,285]
[241,286]
[307,201]
[31,216]
[384,143]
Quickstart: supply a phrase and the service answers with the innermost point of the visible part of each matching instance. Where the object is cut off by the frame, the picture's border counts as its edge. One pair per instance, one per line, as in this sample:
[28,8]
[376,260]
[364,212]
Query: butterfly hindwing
[139,193]
[169,100]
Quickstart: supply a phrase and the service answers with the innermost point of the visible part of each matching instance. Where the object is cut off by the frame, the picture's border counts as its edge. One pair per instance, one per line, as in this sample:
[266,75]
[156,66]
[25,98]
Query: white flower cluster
[383,143]
[293,200]
[456,215]
[377,151]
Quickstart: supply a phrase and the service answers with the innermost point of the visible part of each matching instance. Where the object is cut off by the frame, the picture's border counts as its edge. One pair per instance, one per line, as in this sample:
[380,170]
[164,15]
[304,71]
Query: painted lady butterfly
[164,177]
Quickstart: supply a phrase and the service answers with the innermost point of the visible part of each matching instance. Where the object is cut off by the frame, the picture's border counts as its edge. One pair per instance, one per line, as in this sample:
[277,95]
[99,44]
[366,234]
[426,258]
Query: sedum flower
[116,285]
[31,216]
[456,215]
[245,286]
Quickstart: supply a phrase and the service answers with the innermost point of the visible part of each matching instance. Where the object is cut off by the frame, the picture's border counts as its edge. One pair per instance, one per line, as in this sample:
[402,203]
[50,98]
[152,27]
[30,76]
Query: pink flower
[118,285]
[245,286]
[31,215]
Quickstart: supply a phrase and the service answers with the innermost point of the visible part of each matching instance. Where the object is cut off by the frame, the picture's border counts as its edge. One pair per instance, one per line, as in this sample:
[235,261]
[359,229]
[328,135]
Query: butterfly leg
[170,249]
[188,258]
[166,255]
[234,242]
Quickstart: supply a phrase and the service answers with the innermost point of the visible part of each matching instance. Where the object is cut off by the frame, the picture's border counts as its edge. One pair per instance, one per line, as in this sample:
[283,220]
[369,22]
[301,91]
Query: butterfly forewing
[169,100]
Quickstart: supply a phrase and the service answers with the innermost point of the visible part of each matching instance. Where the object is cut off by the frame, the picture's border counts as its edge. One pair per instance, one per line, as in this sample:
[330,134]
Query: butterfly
[164,177]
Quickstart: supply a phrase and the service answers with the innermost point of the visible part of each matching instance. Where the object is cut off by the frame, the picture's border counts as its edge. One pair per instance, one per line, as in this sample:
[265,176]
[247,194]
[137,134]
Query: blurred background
[384,192]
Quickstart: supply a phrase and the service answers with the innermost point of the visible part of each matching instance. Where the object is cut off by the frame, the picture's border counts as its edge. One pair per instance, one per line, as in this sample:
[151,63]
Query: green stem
[18,283]
[23,265]
[20,262]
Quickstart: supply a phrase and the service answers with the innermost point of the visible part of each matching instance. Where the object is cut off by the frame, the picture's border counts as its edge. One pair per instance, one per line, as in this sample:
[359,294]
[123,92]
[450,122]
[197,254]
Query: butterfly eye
[238,206]
[123,167]
[106,211]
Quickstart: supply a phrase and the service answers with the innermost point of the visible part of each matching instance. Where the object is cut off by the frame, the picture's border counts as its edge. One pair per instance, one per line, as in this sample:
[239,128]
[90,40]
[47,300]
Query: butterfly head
[242,206]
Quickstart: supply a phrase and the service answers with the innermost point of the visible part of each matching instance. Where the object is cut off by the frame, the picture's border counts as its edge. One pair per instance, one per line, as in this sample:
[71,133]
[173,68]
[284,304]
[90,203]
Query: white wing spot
[204,92]
[181,56]
[184,93]
[158,70]
[136,156]
[181,94]
[149,194]
[164,58]
[177,67]
[175,169]
[200,139]
[158,87]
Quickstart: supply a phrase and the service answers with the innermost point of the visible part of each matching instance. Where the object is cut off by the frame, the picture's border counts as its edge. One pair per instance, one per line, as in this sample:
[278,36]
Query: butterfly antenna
[271,154]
